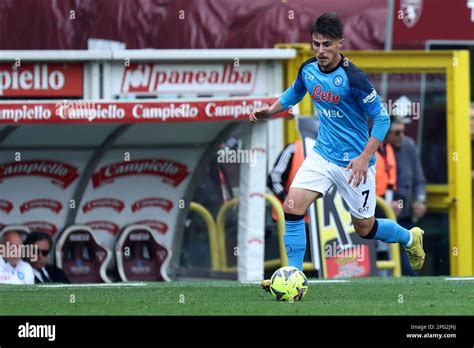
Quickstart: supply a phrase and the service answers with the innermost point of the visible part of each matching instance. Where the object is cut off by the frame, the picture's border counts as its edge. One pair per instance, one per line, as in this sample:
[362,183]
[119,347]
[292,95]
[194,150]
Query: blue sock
[295,239]
[389,231]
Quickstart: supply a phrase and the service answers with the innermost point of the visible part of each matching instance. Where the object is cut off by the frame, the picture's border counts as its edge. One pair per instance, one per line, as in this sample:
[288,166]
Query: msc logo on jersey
[320,95]
[332,113]
[338,80]
[370,98]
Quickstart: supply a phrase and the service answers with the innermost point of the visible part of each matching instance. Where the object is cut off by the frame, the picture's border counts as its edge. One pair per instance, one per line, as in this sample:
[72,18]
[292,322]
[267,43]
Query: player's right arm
[290,97]
[266,112]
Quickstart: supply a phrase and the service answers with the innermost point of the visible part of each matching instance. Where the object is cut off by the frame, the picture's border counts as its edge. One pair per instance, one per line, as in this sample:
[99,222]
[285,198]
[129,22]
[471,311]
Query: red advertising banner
[41,80]
[83,111]
[416,21]
[172,172]
[350,263]
[60,173]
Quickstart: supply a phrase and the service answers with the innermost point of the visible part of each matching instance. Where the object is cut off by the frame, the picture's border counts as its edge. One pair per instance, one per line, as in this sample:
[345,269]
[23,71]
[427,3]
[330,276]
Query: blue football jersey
[344,99]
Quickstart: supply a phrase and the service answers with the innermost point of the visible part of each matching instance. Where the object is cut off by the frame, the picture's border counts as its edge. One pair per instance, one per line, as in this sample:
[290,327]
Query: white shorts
[318,174]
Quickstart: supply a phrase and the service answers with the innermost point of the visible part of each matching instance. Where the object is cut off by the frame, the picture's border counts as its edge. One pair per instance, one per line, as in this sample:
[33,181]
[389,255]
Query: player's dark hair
[34,237]
[328,24]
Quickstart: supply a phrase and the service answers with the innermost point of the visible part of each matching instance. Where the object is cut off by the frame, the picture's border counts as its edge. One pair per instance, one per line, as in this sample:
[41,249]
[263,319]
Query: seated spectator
[43,272]
[13,270]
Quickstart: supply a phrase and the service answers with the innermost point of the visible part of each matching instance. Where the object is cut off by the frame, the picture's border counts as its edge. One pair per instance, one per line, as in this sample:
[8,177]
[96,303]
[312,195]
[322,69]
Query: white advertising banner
[148,188]
[207,78]
[36,190]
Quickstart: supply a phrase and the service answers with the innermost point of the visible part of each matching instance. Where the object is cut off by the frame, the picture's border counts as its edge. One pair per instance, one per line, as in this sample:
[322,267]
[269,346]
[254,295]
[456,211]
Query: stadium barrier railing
[393,264]
[212,231]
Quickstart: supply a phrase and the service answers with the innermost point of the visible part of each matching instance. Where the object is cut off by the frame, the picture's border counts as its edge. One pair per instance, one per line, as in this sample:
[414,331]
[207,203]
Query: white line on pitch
[90,285]
[312,281]
[459,278]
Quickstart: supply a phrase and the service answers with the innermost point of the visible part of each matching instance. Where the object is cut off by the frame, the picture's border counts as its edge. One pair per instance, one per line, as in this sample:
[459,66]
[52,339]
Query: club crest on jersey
[320,95]
[337,80]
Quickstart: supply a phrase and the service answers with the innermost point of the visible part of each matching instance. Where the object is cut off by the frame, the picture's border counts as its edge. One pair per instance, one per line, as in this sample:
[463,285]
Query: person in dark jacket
[409,199]
[43,272]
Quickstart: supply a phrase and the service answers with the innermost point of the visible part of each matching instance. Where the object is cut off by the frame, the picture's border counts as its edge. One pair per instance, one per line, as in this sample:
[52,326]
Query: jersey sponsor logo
[320,95]
[332,113]
[370,98]
[338,80]
[411,11]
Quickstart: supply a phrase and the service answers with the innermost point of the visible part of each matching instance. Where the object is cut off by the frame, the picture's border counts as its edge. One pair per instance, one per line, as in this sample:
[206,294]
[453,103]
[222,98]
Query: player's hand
[260,114]
[360,167]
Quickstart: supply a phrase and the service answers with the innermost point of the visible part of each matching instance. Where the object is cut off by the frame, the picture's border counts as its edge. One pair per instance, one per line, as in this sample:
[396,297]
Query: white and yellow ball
[288,284]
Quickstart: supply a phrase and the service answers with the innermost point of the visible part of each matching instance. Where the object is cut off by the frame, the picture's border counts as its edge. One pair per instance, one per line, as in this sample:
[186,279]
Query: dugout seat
[81,256]
[140,257]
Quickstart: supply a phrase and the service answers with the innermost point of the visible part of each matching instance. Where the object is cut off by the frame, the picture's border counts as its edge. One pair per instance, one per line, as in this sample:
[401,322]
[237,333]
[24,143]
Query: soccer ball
[288,284]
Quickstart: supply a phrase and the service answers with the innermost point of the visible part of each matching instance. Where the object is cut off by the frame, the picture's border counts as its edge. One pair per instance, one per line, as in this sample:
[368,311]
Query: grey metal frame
[179,228]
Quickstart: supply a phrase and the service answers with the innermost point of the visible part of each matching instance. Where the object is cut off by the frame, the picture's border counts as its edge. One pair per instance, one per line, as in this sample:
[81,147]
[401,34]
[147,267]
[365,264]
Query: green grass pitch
[369,296]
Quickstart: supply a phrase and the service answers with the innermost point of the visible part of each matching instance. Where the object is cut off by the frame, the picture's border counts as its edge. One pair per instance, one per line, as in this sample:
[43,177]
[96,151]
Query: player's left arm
[371,104]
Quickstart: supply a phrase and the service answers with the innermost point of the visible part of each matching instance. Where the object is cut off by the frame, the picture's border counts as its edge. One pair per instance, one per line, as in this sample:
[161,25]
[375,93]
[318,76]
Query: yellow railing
[220,225]
[393,264]
[211,227]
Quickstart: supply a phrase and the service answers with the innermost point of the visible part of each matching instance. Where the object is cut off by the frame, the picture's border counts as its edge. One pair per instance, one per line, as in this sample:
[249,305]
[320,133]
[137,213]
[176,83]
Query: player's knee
[290,207]
[363,228]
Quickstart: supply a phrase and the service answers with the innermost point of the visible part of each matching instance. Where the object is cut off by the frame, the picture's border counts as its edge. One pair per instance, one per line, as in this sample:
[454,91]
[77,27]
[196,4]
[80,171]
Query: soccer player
[344,152]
